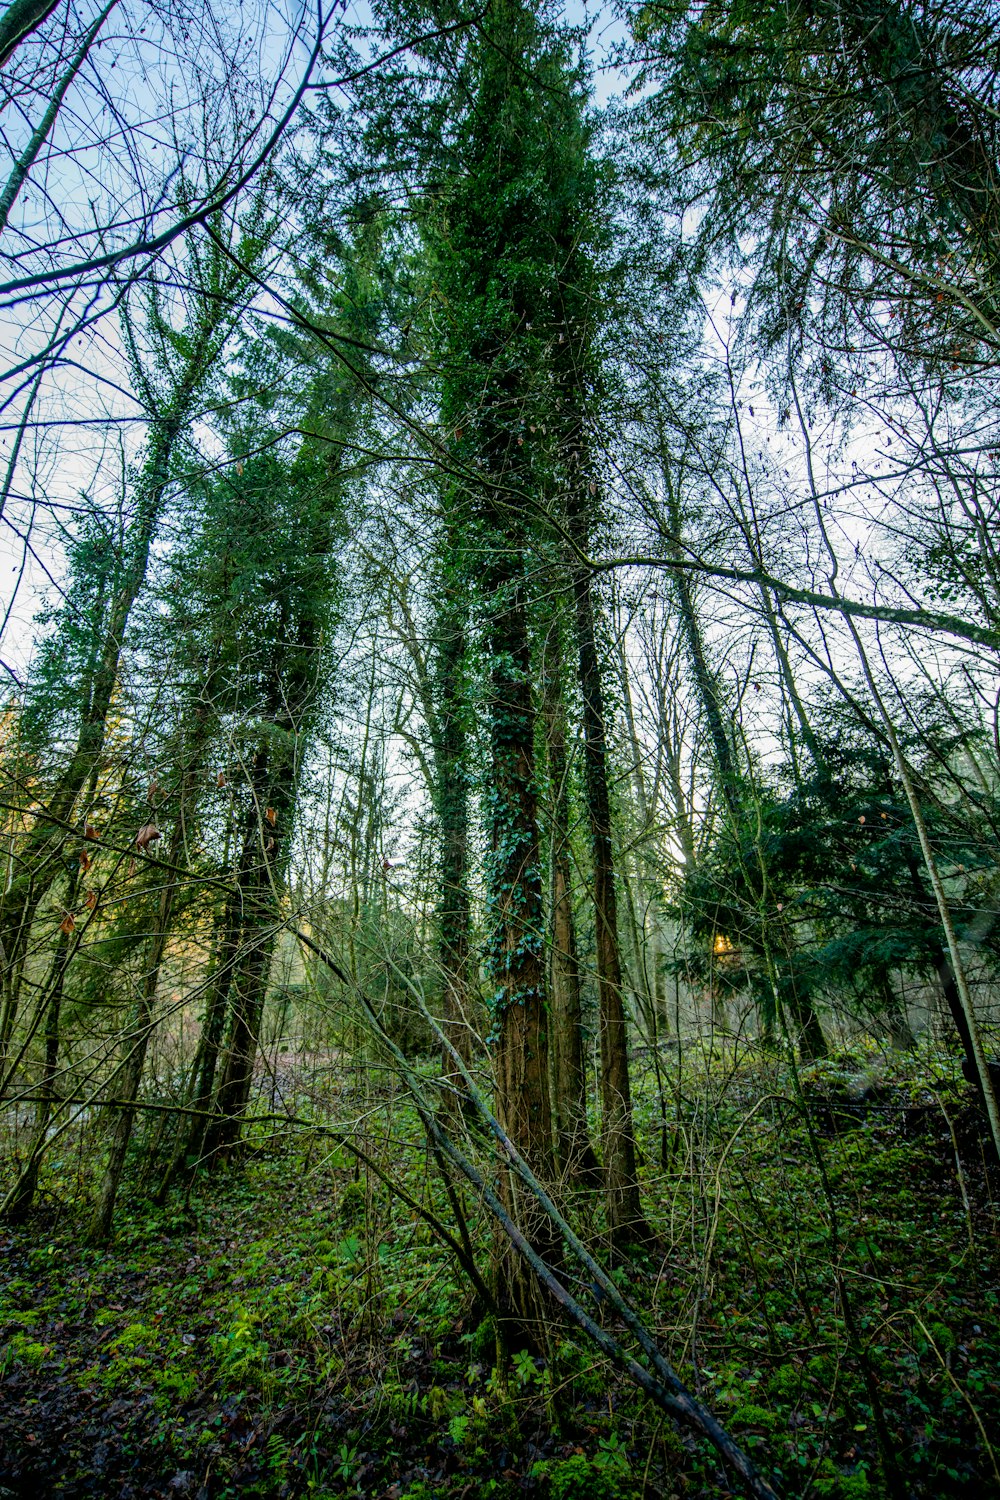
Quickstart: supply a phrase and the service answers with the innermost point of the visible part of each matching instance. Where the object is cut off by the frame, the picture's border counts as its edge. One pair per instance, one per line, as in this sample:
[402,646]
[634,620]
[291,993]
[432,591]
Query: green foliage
[28,1351]
[844,902]
[740,87]
[263,1306]
[606,1476]
[351,1209]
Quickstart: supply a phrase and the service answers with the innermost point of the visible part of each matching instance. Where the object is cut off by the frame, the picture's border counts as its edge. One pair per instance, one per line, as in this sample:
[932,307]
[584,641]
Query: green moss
[582,1478]
[351,1208]
[750,1415]
[28,1351]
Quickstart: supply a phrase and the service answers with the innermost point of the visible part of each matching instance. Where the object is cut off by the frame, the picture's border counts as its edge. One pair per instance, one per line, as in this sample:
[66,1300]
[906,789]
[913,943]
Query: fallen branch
[661,1383]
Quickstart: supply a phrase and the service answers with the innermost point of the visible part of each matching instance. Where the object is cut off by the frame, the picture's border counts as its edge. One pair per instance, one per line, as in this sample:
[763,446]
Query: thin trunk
[247,958]
[625,1217]
[954,980]
[790,685]
[39,860]
[812,1042]
[893,1009]
[127,1081]
[40,857]
[39,136]
[451,753]
[811,1037]
[137,1039]
[21,1196]
[193,1128]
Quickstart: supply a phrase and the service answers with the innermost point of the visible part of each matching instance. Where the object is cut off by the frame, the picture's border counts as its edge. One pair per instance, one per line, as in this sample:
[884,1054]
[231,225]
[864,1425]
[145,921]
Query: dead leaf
[90,832]
[147,835]
[220,780]
[271,816]
[68,924]
[90,901]
[85,860]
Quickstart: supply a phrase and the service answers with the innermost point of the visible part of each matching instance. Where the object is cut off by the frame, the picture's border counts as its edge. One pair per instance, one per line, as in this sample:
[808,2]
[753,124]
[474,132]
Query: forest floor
[292,1330]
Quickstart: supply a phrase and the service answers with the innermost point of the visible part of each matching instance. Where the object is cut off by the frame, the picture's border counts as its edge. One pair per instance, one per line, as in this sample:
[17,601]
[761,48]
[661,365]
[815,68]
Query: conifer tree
[172,366]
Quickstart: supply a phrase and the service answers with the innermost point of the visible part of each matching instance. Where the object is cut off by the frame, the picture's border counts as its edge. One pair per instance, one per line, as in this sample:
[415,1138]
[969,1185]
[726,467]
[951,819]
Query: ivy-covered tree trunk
[498,266]
[451,795]
[193,1129]
[515,948]
[569,1089]
[515,951]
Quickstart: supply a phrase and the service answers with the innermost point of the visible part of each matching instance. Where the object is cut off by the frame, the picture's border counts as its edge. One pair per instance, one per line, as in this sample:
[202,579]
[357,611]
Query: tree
[182,365]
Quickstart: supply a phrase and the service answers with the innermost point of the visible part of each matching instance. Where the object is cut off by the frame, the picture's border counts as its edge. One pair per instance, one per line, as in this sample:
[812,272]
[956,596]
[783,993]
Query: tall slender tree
[174,360]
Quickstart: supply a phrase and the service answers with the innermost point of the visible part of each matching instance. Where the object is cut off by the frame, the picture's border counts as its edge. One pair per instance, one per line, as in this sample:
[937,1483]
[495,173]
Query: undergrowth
[290,1328]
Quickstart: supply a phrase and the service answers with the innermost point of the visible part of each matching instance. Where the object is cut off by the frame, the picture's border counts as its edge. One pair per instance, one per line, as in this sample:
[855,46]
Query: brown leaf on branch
[220,780]
[271,816]
[90,832]
[147,835]
[68,924]
[90,900]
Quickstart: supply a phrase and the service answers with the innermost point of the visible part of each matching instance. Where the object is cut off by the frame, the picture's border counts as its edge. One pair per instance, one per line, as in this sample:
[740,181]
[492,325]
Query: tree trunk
[123,1118]
[514,952]
[800,1010]
[128,1080]
[569,1082]
[40,857]
[897,1022]
[21,1196]
[260,882]
[249,946]
[625,1217]
[452,797]
[193,1129]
